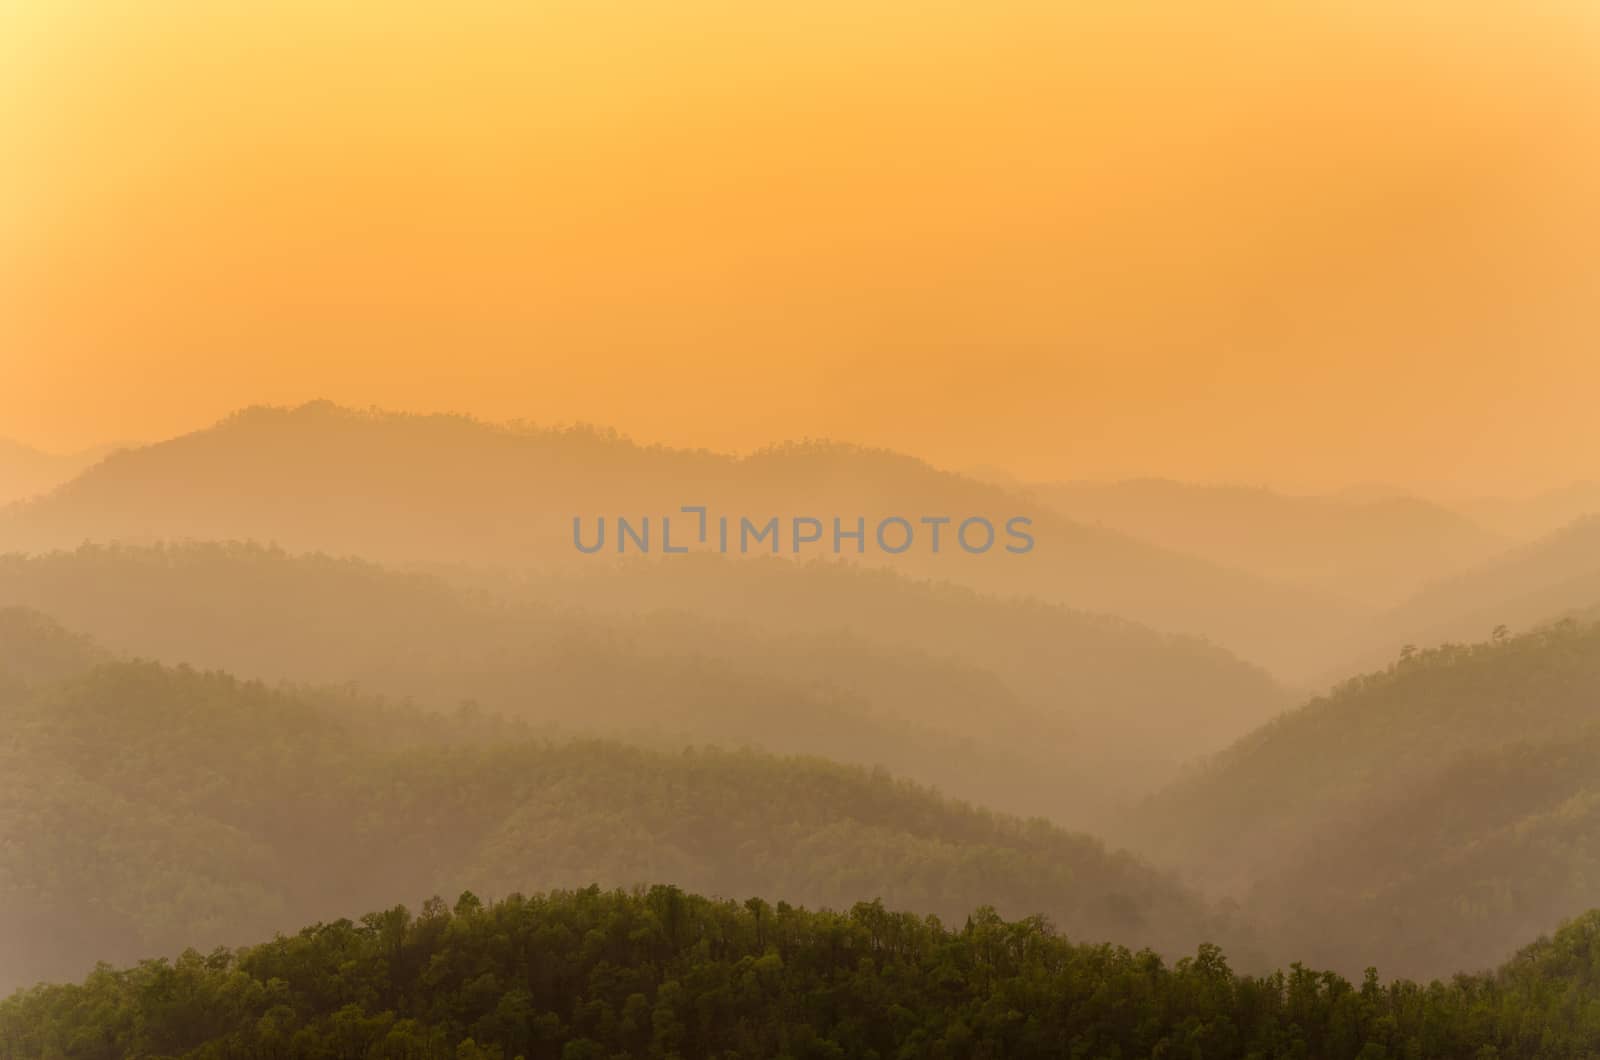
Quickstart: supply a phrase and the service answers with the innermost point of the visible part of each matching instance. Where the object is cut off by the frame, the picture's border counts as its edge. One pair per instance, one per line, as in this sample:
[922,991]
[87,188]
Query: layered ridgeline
[1438,575]
[442,488]
[1134,704]
[1527,518]
[1374,550]
[145,808]
[1424,817]
[1016,704]
[660,973]
[1534,583]
[26,472]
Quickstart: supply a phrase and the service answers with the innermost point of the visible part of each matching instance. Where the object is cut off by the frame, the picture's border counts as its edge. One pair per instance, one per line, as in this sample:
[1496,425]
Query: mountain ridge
[406,488]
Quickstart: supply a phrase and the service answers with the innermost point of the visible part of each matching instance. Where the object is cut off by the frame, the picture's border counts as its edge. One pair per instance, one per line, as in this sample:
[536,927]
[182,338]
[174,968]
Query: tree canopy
[662,973]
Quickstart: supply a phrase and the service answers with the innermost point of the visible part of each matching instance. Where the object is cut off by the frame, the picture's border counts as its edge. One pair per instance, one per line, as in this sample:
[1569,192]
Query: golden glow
[1302,243]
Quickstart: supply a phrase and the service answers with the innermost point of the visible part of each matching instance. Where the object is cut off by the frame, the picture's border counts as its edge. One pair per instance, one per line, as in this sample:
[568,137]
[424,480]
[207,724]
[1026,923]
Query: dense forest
[148,808]
[660,973]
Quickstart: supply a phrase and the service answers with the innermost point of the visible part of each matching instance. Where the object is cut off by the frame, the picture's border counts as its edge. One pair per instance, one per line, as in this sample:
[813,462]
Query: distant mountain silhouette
[1521,588]
[1536,516]
[1375,551]
[446,488]
[26,471]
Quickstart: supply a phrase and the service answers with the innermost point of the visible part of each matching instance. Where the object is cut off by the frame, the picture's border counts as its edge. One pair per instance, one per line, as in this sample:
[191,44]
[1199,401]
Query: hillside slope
[1017,704]
[1433,811]
[1451,871]
[148,808]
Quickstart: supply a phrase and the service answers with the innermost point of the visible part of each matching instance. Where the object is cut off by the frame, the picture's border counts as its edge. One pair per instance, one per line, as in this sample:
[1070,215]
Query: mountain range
[404,488]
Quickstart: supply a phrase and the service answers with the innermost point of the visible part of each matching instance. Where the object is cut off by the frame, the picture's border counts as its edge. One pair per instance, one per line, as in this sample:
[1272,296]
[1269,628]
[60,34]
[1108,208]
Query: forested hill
[446,488]
[1024,706]
[1426,817]
[146,808]
[583,975]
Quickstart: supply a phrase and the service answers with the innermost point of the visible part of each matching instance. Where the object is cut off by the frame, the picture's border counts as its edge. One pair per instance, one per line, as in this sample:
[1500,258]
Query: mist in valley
[675,530]
[289,727]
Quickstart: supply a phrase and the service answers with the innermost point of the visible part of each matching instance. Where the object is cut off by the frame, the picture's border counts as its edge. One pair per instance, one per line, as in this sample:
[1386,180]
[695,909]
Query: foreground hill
[1018,704]
[147,808]
[1433,811]
[658,973]
[441,488]
[1376,551]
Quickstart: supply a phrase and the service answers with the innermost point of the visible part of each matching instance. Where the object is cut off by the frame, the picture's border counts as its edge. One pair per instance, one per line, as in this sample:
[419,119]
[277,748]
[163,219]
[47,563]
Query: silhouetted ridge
[437,488]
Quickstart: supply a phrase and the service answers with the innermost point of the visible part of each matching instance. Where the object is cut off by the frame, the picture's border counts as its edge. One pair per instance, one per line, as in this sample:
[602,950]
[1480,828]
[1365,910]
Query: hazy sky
[1302,243]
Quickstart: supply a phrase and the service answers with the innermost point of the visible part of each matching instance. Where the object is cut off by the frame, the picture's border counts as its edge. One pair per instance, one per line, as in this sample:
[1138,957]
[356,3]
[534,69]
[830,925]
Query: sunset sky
[1306,244]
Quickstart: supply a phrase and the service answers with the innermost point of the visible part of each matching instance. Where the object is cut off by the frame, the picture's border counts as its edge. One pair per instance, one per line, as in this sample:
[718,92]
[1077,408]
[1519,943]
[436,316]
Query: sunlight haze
[1306,245]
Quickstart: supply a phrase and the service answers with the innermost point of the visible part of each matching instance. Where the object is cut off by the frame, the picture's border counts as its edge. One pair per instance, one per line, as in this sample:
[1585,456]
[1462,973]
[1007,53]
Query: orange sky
[1299,243]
